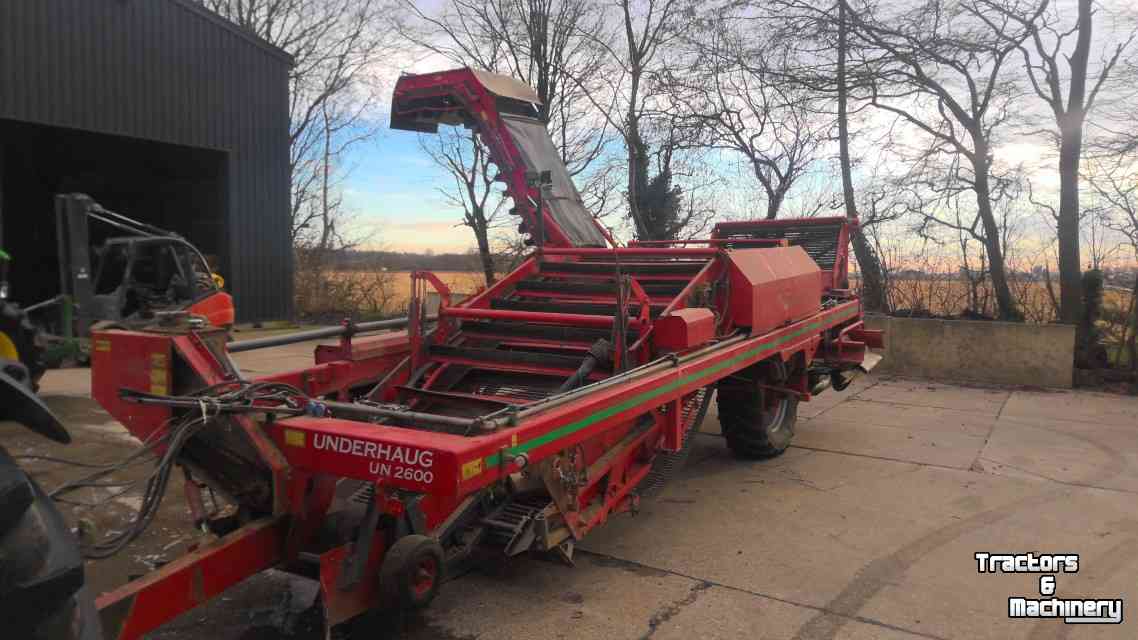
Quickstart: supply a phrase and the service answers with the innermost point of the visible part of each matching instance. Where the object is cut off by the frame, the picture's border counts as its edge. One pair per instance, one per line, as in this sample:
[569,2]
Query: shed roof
[198,8]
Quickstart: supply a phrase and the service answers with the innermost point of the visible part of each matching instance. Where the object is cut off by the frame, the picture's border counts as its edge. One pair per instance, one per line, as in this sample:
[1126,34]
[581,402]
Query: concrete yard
[865,528]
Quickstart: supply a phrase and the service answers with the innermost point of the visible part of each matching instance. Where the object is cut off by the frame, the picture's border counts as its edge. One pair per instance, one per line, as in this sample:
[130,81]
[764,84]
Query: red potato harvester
[518,419]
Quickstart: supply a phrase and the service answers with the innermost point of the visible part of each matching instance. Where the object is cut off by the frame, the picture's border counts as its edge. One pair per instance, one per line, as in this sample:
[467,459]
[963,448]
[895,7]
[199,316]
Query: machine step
[595,287]
[677,267]
[588,308]
[500,328]
[512,526]
[504,357]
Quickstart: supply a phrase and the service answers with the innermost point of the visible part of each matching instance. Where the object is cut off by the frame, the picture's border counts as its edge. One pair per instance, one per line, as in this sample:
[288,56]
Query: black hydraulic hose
[579,376]
[601,351]
[211,405]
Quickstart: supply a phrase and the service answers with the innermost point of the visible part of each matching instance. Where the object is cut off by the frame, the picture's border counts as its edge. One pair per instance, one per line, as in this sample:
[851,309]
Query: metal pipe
[710,241]
[821,385]
[341,407]
[316,334]
[632,251]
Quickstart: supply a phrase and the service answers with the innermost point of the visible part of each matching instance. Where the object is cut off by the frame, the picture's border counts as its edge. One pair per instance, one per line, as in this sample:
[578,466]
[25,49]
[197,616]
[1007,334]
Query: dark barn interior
[159,110]
[173,187]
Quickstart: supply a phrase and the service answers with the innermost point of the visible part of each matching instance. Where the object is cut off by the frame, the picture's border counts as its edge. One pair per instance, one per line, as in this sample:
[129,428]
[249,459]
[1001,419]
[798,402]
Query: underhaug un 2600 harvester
[520,419]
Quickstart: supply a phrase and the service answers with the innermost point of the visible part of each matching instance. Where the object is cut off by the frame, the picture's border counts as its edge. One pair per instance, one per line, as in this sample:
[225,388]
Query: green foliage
[659,202]
[1090,352]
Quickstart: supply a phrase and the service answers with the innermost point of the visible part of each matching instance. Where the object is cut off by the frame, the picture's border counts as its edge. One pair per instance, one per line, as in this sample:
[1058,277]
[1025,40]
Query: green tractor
[21,341]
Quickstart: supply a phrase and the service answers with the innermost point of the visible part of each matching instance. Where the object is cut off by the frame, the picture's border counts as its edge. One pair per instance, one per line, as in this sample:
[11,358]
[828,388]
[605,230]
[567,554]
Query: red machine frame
[422,422]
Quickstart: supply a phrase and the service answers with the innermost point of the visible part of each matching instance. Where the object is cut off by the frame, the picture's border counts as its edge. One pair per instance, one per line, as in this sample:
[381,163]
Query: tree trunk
[481,235]
[1070,151]
[1132,341]
[1070,269]
[1005,304]
[637,166]
[774,202]
[872,281]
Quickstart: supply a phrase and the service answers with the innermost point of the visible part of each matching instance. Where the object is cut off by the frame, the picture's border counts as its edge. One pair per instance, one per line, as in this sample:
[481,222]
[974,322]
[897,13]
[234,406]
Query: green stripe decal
[591,419]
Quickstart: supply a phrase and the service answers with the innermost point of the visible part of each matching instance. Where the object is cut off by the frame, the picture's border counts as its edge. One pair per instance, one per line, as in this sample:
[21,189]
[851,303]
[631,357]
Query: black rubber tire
[42,595]
[399,573]
[747,417]
[25,337]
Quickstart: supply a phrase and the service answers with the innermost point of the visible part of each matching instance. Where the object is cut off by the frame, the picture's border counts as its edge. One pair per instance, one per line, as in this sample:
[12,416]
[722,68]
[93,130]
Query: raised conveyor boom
[504,112]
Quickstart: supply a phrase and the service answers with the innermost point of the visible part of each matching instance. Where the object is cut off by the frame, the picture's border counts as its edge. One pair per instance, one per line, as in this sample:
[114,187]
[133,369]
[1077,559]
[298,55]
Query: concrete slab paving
[926,393]
[1076,406]
[720,613]
[865,528]
[912,417]
[1070,452]
[928,443]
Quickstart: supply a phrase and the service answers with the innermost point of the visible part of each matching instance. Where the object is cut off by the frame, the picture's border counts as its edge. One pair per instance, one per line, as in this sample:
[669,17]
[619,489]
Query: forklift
[128,281]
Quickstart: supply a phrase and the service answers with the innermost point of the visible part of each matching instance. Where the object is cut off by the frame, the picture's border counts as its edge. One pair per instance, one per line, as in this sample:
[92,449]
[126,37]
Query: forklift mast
[75,278]
[102,293]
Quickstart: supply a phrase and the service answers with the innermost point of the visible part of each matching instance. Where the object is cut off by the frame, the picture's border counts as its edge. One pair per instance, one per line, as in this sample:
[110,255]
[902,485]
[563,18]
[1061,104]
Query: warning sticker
[471,469]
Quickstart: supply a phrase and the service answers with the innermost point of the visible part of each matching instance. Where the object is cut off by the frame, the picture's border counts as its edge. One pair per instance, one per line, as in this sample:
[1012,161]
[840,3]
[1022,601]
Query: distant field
[399,284]
[458,281]
[938,297]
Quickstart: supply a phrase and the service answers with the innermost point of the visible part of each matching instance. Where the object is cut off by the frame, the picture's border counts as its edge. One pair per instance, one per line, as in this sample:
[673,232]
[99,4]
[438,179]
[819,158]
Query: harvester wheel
[758,423]
[42,596]
[411,572]
[19,343]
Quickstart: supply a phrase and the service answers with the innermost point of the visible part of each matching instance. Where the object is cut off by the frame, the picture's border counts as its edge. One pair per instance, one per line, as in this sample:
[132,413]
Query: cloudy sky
[392,184]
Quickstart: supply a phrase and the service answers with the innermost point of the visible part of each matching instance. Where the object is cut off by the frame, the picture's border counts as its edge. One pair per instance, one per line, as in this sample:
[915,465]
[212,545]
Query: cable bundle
[176,432]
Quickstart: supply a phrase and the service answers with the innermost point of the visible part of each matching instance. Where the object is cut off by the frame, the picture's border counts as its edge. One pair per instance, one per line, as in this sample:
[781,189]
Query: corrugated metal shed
[172,72]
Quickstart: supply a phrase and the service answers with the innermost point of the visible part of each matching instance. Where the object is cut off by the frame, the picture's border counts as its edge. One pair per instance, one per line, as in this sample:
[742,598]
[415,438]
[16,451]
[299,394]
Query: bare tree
[810,34]
[541,43]
[1115,181]
[1045,54]
[628,94]
[941,73]
[467,161]
[538,42]
[869,266]
[734,93]
[334,44]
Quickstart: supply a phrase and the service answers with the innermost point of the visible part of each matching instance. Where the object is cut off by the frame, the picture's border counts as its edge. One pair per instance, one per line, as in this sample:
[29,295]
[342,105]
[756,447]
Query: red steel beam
[774,242]
[461,464]
[140,606]
[632,251]
[569,319]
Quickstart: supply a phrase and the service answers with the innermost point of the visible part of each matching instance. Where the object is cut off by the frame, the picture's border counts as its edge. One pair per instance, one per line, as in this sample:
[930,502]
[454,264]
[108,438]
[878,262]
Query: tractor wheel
[411,572]
[19,341]
[42,596]
[757,423]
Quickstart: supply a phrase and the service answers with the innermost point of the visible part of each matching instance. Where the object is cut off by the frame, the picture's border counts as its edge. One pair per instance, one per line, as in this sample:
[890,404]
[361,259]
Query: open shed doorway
[182,189]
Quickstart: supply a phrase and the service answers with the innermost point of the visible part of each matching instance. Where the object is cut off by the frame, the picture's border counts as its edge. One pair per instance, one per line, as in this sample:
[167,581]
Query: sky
[391,188]
[392,191]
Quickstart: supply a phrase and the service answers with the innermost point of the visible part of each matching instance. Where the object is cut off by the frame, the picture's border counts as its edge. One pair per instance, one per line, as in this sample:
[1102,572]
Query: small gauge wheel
[411,572]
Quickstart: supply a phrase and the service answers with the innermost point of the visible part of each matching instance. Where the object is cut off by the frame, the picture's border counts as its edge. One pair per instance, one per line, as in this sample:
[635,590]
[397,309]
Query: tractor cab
[130,278]
[136,277]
